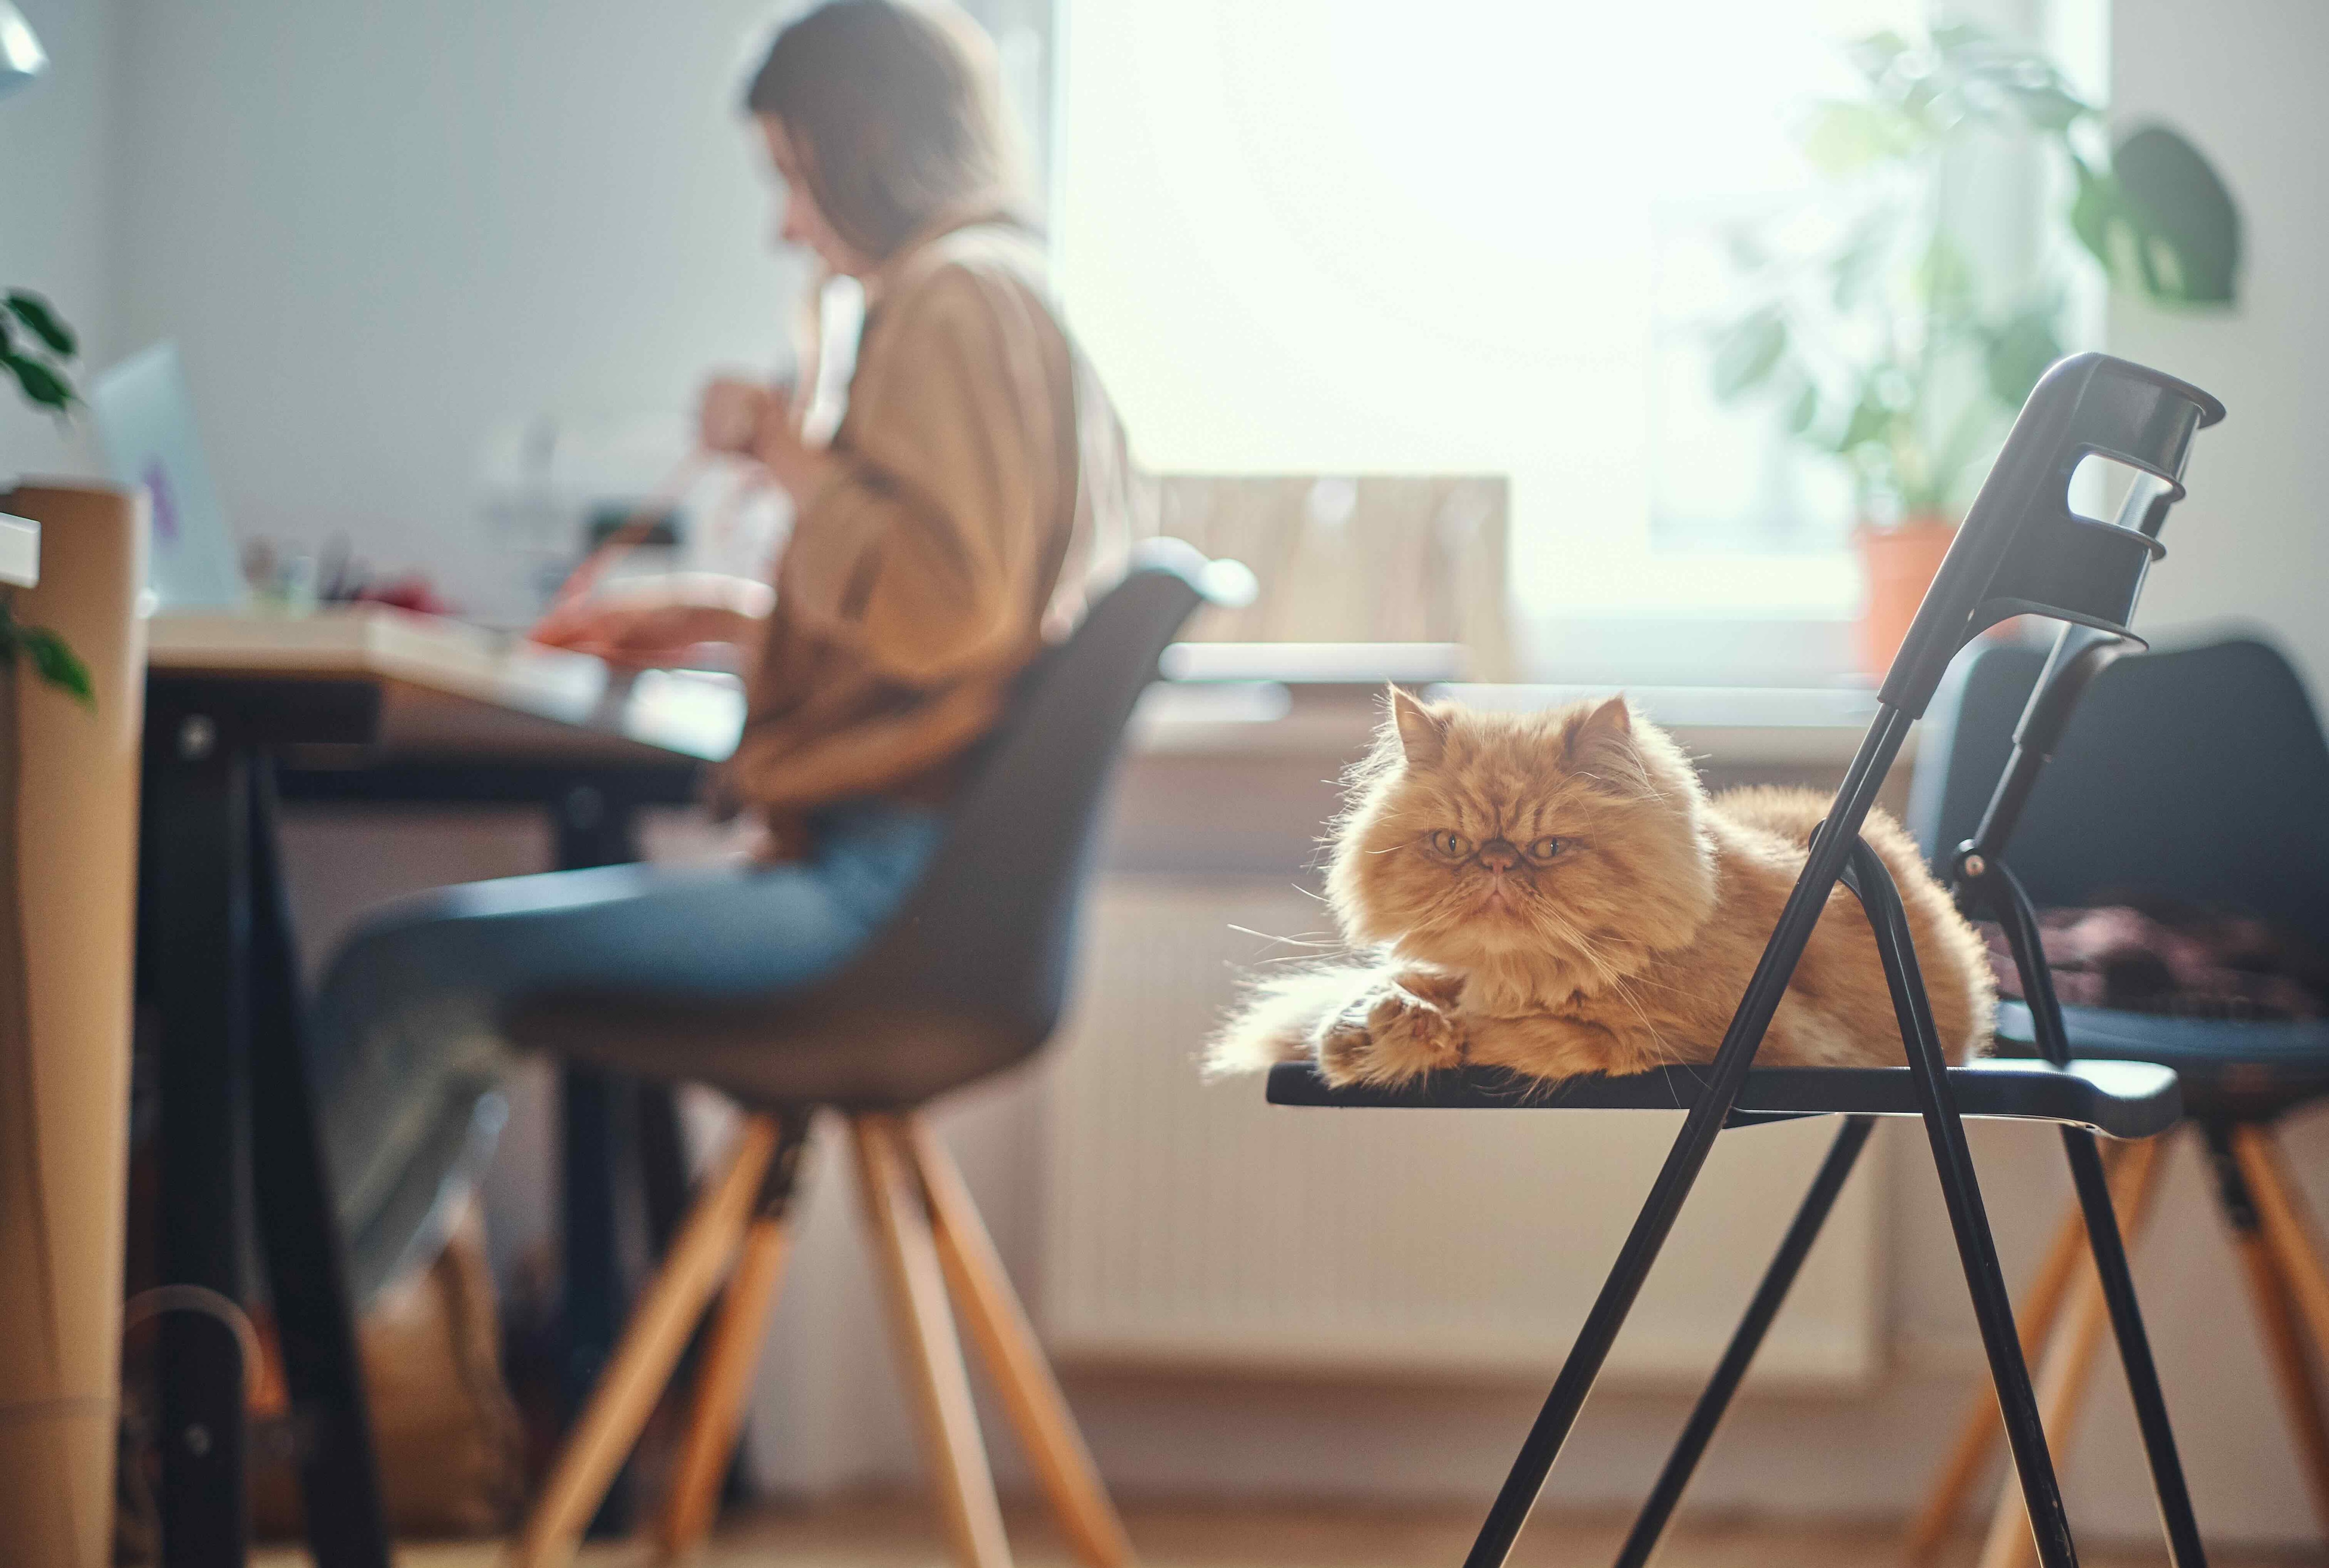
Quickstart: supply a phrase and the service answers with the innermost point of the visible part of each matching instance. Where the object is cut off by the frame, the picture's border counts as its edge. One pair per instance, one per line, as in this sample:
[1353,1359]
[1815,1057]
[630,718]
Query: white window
[1467,236]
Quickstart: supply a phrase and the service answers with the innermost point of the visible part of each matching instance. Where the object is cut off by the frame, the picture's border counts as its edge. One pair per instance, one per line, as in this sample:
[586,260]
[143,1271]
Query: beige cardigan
[981,482]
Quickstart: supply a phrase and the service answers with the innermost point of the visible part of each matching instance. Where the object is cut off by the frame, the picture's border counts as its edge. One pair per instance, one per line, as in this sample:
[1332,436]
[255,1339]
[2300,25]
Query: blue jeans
[405,1044]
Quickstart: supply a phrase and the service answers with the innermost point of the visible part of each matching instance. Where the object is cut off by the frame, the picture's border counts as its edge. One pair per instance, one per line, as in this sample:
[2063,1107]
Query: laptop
[146,422]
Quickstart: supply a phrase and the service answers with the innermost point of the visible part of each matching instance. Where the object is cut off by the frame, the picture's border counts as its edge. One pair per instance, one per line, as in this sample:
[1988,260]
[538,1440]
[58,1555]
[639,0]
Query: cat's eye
[1545,848]
[1453,845]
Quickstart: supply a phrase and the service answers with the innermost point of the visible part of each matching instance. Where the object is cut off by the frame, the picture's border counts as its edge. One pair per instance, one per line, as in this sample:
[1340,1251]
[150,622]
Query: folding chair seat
[2022,550]
[2115,1099]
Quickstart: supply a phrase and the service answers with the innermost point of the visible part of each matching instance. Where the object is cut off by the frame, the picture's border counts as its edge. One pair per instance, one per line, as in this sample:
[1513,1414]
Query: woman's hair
[893,106]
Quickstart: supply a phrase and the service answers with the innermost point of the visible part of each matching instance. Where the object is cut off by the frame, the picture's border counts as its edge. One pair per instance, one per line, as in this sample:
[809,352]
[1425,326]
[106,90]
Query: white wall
[58,158]
[2242,79]
[379,231]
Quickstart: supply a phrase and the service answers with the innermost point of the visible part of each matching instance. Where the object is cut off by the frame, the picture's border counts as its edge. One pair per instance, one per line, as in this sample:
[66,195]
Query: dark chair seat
[968,977]
[822,1046]
[2120,1099]
[2243,1072]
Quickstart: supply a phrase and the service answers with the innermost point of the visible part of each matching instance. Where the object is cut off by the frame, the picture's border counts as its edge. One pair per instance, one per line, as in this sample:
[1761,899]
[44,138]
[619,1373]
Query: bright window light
[1355,236]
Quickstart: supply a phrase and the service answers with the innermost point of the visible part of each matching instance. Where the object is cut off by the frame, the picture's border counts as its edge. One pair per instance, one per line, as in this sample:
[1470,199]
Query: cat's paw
[1388,1037]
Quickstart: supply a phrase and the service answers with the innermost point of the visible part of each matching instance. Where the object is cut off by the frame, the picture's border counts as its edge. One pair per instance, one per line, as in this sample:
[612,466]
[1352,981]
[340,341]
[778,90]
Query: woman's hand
[662,623]
[751,421]
[730,413]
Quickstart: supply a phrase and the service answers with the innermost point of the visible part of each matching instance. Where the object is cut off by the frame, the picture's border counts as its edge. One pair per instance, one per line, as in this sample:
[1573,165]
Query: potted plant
[72,691]
[1871,327]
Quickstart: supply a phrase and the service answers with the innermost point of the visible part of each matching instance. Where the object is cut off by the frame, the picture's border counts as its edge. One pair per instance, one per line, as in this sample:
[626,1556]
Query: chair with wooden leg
[2215,766]
[966,980]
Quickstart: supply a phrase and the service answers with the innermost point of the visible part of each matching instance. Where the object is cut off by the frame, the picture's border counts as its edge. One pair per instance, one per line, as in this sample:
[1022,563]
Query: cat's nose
[1498,854]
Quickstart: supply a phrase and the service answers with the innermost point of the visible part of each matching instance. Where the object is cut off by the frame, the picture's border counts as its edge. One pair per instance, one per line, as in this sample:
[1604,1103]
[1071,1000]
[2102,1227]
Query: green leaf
[1745,248]
[34,312]
[1857,262]
[1871,419]
[2048,105]
[1955,39]
[1876,55]
[1945,277]
[1803,412]
[2095,211]
[1845,139]
[1747,351]
[1955,459]
[43,386]
[56,663]
[2018,353]
[2187,228]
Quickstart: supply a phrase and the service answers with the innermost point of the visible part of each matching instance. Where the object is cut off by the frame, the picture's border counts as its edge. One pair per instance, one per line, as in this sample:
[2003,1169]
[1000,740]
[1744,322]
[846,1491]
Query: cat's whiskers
[1304,941]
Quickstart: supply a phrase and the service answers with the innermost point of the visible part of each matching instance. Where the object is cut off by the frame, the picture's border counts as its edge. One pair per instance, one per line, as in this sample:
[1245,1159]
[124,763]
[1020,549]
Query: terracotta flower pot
[1898,565]
[67,884]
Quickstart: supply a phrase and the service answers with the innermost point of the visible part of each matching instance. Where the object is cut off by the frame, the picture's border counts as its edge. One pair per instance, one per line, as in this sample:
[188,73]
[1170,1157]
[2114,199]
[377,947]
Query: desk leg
[197,925]
[339,1480]
[591,830]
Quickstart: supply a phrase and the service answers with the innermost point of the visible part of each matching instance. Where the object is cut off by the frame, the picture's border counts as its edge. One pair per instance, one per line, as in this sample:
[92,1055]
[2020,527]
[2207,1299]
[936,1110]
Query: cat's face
[1565,840]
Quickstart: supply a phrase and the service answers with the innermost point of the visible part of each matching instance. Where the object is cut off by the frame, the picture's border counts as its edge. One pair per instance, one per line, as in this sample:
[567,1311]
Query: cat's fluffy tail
[1280,1018]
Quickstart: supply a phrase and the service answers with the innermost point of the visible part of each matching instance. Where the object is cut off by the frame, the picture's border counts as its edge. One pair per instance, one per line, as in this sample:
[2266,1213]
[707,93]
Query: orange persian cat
[1555,893]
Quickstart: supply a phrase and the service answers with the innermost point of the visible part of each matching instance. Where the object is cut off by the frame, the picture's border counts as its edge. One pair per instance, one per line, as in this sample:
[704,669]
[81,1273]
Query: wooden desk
[368,704]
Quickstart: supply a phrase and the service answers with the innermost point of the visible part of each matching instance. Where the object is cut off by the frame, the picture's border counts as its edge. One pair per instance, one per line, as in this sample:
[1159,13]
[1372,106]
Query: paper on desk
[20,550]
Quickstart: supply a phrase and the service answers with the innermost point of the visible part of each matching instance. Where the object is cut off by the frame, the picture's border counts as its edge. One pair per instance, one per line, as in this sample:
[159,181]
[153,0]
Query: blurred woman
[975,483]
[978,467]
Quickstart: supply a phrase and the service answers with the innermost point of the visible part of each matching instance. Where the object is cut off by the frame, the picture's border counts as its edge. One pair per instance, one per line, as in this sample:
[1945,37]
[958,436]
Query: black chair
[966,980]
[2022,550]
[2197,776]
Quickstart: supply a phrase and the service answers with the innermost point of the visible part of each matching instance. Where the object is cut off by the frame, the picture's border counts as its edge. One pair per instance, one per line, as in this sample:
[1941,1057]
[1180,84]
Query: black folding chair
[2023,550]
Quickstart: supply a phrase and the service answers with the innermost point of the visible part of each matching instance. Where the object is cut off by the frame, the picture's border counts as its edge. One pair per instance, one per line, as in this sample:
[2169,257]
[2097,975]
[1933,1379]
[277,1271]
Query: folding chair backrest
[2023,550]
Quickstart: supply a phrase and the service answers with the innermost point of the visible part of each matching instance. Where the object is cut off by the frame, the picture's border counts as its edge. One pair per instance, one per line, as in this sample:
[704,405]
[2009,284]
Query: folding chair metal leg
[2175,1517]
[1977,1431]
[1769,1296]
[1823,866]
[724,1376]
[1976,1250]
[2065,1372]
[2068,1364]
[2274,1299]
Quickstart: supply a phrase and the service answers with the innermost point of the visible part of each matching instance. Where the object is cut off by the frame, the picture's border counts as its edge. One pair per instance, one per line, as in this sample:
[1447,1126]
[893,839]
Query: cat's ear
[1422,733]
[1606,732]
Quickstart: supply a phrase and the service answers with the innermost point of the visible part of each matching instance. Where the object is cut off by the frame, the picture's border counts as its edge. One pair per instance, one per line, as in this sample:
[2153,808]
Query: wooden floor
[900,1535]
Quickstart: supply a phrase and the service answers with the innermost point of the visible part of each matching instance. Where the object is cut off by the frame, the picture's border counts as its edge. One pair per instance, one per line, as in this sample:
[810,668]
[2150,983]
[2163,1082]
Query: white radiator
[1192,1225]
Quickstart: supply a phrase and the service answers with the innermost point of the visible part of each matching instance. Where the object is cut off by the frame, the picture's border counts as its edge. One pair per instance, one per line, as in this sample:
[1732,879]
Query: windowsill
[1807,727]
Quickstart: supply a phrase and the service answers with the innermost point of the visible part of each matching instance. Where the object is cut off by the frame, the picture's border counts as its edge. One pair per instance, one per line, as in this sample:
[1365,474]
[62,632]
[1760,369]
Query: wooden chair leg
[2287,1279]
[2281,1209]
[634,1379]
[1007,1345]
[2284,1345]
[723,1379]
[1979,1430]
[724,1375]
[2070,1350]
[931,1355]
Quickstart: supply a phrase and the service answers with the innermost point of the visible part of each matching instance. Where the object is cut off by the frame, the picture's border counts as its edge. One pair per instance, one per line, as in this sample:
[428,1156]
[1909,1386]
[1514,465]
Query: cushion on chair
[2240,1071]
